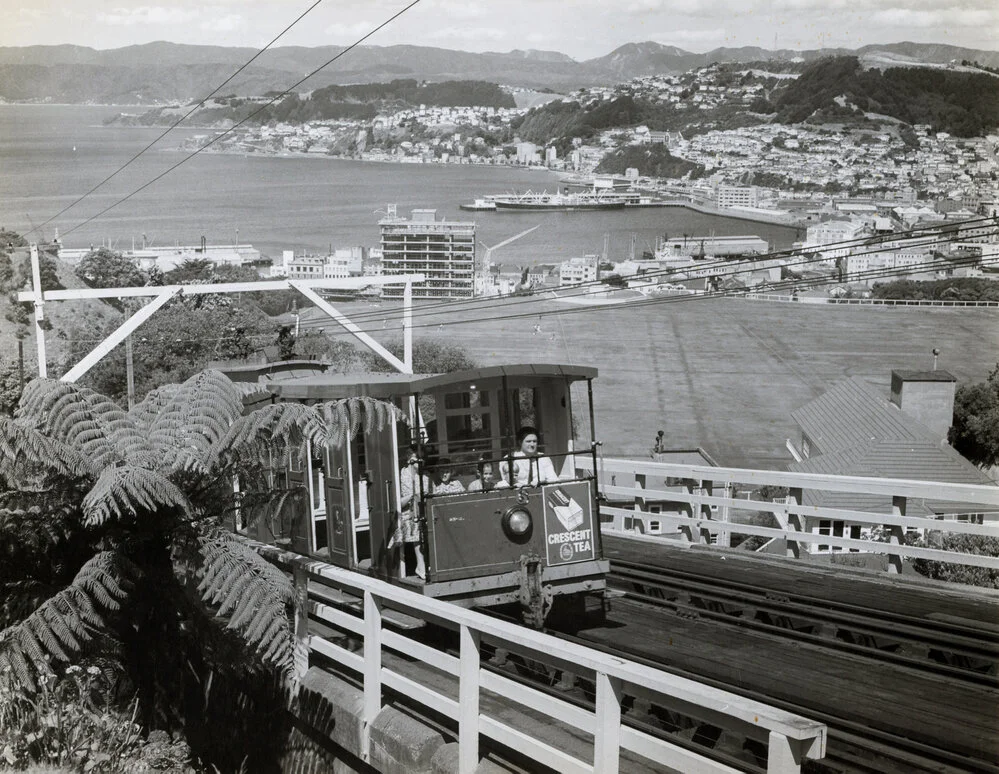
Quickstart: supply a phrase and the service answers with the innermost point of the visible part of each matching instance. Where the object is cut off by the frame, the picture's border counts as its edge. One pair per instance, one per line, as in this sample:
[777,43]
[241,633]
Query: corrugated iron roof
[851,413]
[856,432]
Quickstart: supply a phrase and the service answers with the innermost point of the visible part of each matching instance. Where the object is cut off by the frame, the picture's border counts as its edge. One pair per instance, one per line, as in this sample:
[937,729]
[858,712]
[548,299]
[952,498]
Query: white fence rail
[824,300]
[702,515]
[790,738]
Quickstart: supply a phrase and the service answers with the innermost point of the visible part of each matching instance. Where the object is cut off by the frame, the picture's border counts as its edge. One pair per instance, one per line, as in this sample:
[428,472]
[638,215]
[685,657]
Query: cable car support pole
[36,284]
[352,327]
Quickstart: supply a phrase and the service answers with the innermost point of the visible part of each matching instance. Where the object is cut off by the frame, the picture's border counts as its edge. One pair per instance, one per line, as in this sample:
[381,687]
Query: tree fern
[82,419]
[251,439]
[123,491]
[60,628]
[27,456]
[193,419]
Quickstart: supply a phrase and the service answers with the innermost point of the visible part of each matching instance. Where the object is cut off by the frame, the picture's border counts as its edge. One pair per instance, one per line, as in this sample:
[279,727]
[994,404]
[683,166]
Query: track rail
[946,649]
[853,748]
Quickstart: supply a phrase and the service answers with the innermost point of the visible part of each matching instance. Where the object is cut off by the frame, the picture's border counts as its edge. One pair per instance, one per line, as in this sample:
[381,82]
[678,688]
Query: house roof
[859,433]
[852,413]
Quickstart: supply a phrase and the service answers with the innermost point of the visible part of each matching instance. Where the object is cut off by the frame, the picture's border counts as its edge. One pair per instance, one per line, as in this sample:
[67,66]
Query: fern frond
[144,412]
[83,419]
[343,417]
[190,423]
[65,623]
[257,598]
[124,491]
[274,428]
[28,454]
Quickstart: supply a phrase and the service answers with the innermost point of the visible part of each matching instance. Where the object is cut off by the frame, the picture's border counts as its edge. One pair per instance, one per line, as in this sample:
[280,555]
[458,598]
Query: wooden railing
[707,496]
[790,738]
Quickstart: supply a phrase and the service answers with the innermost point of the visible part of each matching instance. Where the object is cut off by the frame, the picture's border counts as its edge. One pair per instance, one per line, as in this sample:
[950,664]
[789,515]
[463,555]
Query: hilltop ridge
[159,72]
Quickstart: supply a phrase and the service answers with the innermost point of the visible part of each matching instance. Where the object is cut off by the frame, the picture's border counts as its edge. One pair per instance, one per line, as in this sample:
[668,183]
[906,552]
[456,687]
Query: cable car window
[523,403]
[469,435]
[466,400]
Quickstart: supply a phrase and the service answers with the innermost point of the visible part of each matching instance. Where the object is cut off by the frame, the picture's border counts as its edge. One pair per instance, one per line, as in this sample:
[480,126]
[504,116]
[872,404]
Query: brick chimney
[927,396]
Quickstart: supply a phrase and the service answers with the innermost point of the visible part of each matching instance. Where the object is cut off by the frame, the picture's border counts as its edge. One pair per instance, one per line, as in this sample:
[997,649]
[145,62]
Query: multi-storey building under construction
[443,251]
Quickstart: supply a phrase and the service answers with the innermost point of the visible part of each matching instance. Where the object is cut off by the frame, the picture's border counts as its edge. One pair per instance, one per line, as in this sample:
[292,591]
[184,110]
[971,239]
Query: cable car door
[298,509]
[339,513]
[382,457]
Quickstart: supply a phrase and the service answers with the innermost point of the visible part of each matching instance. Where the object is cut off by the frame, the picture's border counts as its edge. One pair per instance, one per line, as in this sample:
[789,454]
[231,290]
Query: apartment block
[443,251]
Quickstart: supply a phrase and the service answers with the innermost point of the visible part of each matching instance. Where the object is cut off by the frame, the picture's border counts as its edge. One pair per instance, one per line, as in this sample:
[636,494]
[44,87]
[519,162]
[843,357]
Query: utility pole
[36,283]
[129,373]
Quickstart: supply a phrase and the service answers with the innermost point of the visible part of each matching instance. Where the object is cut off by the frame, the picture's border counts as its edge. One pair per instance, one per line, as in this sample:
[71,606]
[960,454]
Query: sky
[583,29]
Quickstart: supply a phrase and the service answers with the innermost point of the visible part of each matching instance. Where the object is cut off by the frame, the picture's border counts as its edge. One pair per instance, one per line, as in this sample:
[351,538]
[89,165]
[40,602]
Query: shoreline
[703,209]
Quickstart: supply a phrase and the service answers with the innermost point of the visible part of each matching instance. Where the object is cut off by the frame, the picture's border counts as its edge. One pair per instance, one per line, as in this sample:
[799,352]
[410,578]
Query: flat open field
[722,374]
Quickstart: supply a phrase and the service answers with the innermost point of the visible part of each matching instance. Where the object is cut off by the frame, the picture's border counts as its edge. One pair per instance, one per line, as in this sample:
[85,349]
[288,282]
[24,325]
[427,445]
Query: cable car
[532,541]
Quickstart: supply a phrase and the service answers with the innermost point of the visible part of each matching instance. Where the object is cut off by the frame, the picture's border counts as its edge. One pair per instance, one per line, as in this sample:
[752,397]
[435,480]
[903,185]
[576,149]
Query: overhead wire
[196,105]
[458,305]
[242,121]
[732,269]
[874,273]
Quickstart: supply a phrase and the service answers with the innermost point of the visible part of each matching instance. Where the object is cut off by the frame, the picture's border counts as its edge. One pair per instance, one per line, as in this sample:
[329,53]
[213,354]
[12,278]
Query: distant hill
[169,72]
[965,104]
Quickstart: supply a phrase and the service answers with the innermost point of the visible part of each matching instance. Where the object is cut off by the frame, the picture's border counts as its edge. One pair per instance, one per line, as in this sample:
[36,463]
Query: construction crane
[486,263]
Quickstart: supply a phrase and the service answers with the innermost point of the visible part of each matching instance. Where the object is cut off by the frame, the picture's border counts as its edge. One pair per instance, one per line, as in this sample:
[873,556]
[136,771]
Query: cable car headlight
[518,524]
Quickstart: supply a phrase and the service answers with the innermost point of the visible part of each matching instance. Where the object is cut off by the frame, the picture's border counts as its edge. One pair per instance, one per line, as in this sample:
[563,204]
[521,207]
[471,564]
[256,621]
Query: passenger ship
[561,201]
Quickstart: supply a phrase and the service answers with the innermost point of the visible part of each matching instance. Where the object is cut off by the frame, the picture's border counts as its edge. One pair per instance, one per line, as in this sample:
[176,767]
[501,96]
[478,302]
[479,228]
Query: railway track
[949,650]
[852,748]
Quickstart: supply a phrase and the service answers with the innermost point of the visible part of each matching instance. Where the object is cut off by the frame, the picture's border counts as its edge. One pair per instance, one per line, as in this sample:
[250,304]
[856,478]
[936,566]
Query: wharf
[961,718]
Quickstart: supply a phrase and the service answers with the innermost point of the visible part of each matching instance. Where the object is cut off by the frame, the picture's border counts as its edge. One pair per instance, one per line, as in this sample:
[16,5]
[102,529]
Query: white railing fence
[698,501]
[789,738]
[824,300]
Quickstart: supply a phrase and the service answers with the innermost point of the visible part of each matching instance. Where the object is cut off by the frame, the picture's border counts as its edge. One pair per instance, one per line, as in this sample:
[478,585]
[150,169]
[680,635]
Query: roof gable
[852,413]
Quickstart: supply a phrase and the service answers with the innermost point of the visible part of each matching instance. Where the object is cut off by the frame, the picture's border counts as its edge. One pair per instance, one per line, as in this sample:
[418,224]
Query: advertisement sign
[568,522]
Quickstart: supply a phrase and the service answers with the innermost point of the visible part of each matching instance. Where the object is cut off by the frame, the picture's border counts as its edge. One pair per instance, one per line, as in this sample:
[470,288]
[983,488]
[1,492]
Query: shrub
[70,721]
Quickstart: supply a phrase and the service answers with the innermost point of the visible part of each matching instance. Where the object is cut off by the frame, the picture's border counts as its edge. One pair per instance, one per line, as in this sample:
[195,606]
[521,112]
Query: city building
[443,251]
[576,271]
[736,196]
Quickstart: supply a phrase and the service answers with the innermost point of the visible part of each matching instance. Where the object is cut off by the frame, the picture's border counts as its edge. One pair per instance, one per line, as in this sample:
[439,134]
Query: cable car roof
[327,386]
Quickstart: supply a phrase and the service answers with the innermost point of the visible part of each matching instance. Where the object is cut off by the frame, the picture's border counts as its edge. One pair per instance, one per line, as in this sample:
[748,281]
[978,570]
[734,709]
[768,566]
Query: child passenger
[446,483]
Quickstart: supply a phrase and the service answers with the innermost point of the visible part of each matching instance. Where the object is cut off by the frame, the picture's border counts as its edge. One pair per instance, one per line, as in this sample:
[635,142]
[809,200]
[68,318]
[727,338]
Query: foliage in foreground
[71,722]
[113,546]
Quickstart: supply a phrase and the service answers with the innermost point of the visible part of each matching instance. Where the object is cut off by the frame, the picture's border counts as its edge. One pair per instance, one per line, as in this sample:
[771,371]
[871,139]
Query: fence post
[640,504]
[896,535]
[692,510]
[794,523]
[300,577]
[468,701]
[607,735]
[783,755]
[372,669]
[724,539]
[707,487]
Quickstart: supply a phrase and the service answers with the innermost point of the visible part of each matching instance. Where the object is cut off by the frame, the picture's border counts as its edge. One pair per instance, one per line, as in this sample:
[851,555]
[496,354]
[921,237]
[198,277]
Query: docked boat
[560,201]
[486,204]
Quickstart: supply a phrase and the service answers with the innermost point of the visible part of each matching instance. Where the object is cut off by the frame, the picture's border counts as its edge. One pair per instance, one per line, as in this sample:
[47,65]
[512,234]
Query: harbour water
[52,154]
